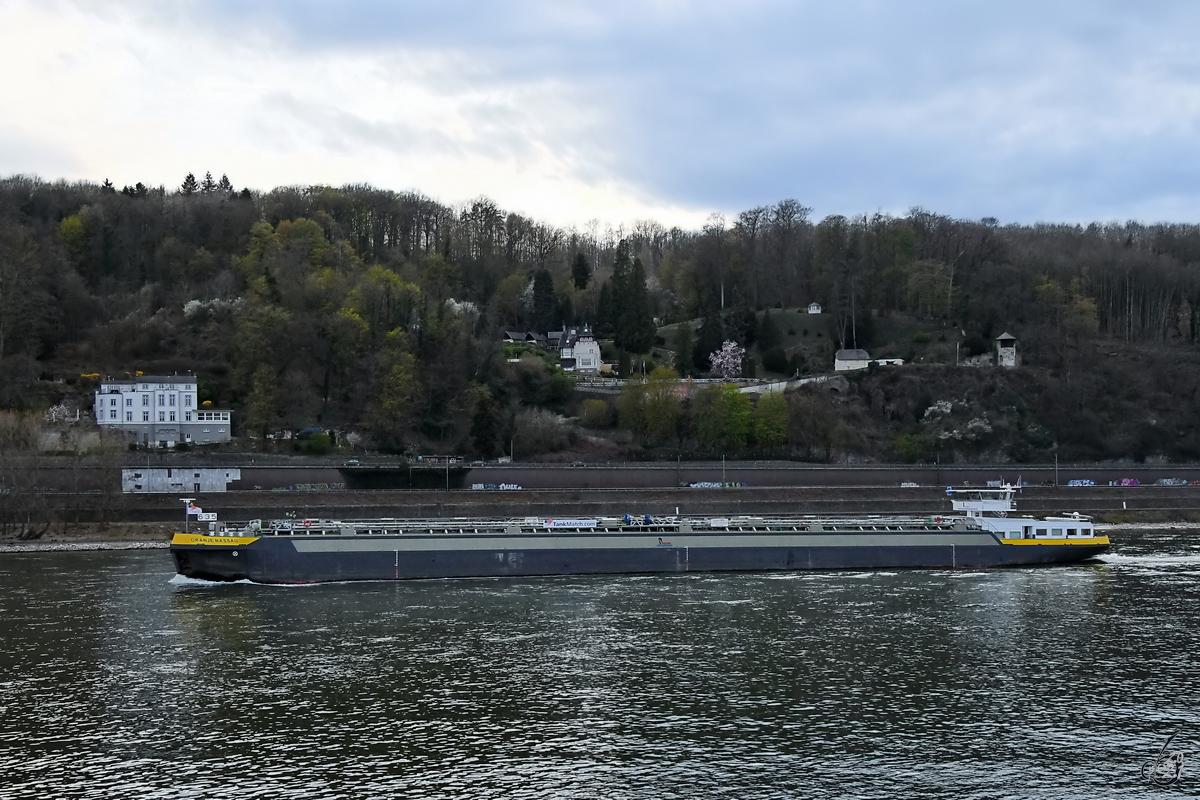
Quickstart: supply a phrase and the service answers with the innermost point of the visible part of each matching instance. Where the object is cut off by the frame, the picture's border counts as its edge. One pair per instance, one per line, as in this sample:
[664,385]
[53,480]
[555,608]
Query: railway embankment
[131,517]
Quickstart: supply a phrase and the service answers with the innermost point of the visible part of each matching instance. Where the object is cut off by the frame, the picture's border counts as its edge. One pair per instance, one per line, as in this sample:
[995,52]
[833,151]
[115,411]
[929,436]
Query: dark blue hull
[280,560]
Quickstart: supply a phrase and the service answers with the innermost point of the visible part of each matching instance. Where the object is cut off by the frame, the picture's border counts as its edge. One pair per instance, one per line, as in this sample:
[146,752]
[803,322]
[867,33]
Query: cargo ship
[981,531]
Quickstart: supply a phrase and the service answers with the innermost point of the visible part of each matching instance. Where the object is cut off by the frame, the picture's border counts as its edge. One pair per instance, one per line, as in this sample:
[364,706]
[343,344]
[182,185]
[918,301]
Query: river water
[117,680]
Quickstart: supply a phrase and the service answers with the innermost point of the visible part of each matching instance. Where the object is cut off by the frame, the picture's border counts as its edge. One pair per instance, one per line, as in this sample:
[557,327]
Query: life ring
[937,520]
[308,523]
[1001,513]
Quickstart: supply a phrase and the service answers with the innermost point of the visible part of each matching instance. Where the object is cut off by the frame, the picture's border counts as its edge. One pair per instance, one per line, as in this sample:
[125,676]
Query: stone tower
[1006,351]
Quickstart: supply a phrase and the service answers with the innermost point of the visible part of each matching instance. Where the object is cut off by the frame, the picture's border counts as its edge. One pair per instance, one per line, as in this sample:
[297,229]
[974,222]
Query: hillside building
[849,360]
[160,411]
[578,350]
[1006,351]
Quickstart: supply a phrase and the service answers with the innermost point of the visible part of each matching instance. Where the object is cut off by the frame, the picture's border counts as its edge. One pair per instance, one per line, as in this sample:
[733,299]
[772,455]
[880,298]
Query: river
[118,680]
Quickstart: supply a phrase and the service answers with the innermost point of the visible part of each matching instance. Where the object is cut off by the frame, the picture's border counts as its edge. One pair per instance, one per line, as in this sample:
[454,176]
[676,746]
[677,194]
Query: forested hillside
[381,313]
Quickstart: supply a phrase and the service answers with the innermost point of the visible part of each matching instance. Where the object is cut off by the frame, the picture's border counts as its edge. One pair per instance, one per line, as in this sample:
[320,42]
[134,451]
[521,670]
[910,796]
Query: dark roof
[1006,337]
[852,355]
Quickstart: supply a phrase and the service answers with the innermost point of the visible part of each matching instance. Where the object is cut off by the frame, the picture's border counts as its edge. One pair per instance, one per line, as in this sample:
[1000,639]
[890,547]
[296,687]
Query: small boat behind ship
[981,531]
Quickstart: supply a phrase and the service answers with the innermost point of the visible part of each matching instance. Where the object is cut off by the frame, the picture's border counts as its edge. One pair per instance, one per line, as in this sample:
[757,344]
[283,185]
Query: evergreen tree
[107,187]
[741,325]
[544,307]
[768,333]
[225,186]
[681,343]
[581,271]
[209,186]
[189,185]
[604,313]
[635,327]
[485,422]
[709,339]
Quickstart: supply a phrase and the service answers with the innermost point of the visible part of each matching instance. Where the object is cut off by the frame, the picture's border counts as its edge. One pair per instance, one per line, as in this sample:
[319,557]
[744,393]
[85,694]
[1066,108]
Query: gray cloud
[1023,110]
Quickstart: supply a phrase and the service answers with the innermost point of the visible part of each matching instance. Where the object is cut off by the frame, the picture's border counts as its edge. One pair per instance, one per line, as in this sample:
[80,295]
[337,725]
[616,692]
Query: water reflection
[1049,682]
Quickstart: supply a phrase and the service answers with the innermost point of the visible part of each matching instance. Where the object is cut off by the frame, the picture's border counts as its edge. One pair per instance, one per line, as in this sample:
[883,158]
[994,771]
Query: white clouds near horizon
[671,110]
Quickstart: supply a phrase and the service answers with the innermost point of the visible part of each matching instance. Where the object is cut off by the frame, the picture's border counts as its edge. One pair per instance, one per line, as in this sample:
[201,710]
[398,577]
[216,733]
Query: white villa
[160,411]
[814,308]
[578,350]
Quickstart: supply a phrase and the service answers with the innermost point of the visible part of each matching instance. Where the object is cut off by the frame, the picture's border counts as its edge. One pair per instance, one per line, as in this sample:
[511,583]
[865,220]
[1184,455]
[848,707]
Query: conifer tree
[581,271]
[189,185]
[635,325]
[225,186]
[768,332]
[209,186]
[543,301]
[604,312]
[708,338]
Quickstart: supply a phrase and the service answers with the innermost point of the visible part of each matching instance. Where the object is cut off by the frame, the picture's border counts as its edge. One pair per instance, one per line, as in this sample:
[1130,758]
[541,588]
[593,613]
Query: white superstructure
[993,509]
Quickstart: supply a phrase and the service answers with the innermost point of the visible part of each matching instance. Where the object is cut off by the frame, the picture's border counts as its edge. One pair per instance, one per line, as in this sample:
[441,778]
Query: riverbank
[51,547]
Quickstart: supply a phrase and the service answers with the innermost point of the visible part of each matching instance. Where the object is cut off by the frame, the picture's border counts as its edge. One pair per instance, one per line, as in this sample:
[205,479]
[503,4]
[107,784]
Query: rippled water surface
[1048,682]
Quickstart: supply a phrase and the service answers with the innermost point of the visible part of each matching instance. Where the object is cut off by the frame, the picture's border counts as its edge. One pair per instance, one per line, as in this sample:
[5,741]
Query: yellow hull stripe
[1094,540]
[212,541]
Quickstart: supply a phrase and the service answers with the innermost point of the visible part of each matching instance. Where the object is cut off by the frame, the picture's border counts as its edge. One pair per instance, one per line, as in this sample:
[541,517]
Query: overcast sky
[665,109]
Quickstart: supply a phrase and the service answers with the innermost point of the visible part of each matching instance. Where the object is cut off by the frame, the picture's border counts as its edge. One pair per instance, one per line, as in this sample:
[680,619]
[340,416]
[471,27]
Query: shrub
[594,414]
[317,444]
[912,447]
[921,337]
[538,432]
